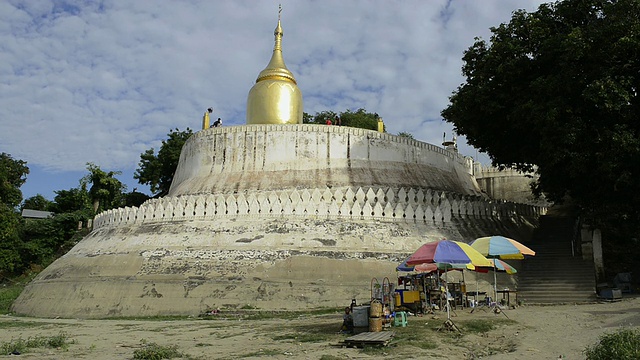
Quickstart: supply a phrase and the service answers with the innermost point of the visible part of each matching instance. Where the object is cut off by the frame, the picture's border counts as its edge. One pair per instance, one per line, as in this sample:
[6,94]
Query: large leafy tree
[10,242]
[157,170]
[37,202]
[75,199]
[359,119]
[13,173]
[106,191]
[558,89]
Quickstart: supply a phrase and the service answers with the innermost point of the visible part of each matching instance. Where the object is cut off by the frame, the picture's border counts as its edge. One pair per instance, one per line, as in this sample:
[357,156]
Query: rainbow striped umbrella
[499,266]
[448,252]
[501,247]
[431,267]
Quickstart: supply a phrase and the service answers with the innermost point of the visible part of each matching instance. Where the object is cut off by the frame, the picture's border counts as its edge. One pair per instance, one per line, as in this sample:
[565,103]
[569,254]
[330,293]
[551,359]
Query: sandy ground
[536,332]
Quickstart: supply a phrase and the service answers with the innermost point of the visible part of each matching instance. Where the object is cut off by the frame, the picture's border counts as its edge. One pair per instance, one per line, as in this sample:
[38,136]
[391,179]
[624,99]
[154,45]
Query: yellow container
[411,296]
[375,324]
[397,299]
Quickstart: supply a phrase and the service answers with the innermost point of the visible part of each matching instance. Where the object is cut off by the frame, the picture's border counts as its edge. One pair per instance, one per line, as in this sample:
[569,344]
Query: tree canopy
[359,119]
[558,89]
[37,202]
[157,170]
[75,199]
[13,173]
[106,191]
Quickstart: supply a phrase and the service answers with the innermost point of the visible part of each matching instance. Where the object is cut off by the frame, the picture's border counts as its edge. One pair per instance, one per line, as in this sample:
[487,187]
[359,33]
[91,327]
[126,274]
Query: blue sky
[102,82]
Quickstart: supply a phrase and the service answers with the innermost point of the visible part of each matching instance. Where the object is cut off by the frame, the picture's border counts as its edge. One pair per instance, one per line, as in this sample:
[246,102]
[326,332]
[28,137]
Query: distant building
[36,214]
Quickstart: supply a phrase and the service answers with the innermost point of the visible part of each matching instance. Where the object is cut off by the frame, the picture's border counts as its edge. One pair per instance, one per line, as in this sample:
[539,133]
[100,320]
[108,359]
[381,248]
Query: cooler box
[360,316]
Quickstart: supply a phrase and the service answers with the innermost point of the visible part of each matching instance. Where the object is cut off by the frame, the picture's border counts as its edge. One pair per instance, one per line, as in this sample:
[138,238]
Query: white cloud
[83,81]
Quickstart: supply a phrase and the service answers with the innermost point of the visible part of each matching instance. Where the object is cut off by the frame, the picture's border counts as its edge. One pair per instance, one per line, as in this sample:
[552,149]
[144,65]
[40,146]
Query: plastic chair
[400,319]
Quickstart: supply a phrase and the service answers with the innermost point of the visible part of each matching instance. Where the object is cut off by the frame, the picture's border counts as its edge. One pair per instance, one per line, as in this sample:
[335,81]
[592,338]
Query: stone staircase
[556,275]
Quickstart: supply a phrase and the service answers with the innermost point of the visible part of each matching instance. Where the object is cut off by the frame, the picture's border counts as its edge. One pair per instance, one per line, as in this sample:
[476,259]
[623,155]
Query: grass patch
[481,326]
[153,351]
[312,333]
[376,350]
[20,345]
[150,318]
[422,337]
[305,337]
[624,344]
[284,337]
[10,289]
[127,326]
[286,315]
[229,335]
[8,294]
[265,352]
[19,324]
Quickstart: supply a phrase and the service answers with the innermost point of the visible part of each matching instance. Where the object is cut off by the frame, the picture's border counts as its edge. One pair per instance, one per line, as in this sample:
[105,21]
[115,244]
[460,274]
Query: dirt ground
[529,332]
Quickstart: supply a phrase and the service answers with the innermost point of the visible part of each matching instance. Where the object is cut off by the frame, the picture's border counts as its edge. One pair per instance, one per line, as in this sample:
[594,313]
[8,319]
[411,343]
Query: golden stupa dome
[275,98]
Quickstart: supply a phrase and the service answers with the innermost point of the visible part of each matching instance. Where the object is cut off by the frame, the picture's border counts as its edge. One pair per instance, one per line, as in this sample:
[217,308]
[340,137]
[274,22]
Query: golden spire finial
[276,67]
[275,98]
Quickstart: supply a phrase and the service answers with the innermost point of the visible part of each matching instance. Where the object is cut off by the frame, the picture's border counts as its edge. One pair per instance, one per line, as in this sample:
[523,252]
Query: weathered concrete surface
[508,184]
[185,268]
[274,217]
[274,157]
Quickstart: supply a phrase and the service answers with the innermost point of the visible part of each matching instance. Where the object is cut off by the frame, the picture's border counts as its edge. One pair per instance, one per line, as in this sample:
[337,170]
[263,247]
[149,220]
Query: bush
[153,351]
[20,345]
[622,345]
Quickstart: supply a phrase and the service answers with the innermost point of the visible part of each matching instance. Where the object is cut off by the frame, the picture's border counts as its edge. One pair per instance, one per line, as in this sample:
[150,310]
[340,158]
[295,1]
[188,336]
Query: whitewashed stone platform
[244,227]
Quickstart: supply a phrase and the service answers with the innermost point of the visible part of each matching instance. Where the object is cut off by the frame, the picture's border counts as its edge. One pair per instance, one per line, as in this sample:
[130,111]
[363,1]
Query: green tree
[157,170]
[320,118]
[307,118]
[75,199]
[558,89]
[44,240]
[359,119]
[106,191]
[37,202]
[405,134]
[10,242]
[13,173]
[135,198]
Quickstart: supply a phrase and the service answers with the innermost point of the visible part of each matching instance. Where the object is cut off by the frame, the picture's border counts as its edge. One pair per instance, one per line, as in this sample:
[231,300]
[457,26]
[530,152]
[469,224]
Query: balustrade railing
[385,204]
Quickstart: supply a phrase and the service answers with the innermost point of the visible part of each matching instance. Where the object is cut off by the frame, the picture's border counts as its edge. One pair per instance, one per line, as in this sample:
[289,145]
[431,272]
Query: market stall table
[506,294]
[475,295]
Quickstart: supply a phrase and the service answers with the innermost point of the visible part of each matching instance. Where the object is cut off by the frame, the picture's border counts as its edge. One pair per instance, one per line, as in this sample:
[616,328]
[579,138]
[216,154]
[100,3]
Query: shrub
[153,351]
[624,344]
[20,345]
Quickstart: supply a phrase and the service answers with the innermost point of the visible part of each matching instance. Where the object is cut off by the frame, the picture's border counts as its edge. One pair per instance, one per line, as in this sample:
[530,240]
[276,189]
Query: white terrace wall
[277,157]
[507,184]
[386,204]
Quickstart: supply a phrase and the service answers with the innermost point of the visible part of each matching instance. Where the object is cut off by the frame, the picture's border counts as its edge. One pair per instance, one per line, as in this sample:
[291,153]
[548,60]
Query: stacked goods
[375,316]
